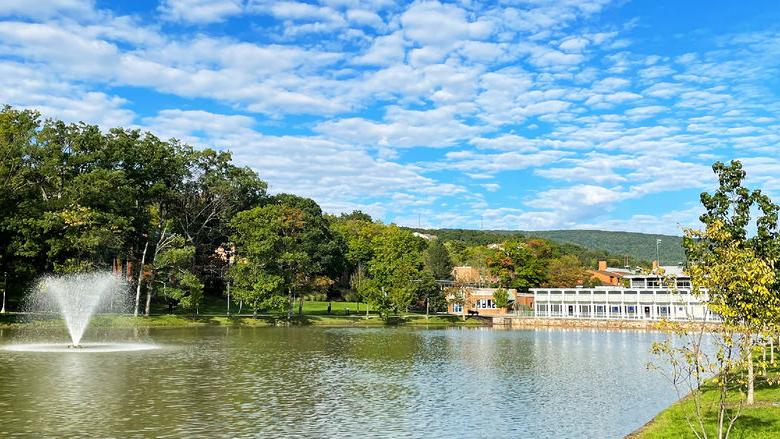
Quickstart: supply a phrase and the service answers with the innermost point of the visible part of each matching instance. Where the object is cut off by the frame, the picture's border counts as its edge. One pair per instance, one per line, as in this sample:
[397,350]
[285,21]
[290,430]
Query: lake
[339,382]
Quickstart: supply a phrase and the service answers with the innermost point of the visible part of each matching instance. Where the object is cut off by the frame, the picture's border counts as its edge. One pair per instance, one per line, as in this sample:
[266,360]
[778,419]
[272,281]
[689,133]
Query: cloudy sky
[533,114]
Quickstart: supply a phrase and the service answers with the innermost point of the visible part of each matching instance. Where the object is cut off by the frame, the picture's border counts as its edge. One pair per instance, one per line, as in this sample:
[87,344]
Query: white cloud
[200,11]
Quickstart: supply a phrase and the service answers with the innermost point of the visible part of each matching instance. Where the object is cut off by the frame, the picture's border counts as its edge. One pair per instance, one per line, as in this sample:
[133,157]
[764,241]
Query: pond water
[339,382]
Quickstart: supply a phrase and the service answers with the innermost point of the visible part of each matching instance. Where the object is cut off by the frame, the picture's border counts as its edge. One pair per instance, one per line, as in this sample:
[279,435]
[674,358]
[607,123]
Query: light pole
[658,252]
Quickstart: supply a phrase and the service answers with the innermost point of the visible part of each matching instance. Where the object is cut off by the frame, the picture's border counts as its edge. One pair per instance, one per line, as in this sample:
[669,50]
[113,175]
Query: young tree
[736,273]
[501,298]
[746,298]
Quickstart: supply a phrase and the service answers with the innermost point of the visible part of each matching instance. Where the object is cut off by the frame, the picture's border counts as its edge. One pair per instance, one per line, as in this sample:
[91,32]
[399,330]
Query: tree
[174,268]
[437,260]
[748,296]
[564,272]
[358,232]
[516,265]
[395,267]
[501,298]
[286,245]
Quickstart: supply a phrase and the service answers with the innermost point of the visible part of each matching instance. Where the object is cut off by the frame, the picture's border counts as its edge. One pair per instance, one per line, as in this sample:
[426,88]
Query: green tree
[517,265]
[737,271]
[286,244]
[501,298]
[395,267]
[174,271]
[437,260]
[564,272]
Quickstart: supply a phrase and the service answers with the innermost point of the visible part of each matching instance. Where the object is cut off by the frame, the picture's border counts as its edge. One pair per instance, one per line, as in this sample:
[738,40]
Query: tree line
[182,223]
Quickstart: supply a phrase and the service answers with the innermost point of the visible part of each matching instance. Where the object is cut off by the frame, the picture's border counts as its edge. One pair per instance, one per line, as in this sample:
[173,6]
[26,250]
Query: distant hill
[637,246]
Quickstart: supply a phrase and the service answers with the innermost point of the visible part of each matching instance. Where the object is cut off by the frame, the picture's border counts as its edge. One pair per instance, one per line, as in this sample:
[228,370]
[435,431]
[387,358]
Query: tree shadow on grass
[748,425]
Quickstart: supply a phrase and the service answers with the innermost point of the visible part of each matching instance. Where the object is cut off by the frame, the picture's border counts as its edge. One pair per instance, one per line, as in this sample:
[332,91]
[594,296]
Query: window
[457,307]
[663,311]
[615,310]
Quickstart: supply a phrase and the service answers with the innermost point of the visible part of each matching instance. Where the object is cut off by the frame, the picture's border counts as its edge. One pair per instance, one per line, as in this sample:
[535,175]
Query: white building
[646,298]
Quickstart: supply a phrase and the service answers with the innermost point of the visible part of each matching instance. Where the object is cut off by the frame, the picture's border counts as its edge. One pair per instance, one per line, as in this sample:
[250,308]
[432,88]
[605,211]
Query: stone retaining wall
[533,322]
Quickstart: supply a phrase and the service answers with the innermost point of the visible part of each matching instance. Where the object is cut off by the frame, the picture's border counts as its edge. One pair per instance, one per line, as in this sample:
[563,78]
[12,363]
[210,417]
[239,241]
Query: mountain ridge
[635,245]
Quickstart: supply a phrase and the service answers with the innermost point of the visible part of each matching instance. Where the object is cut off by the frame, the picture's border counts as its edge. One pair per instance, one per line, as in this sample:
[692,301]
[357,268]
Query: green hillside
[636,245]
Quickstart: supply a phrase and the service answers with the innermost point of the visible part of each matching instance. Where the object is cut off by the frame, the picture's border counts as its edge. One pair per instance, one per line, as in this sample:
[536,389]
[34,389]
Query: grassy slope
[761,421]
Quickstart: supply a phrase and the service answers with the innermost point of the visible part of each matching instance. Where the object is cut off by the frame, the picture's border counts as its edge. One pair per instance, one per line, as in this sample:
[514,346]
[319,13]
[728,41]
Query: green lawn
[315,314]
[215,305]
[756,422]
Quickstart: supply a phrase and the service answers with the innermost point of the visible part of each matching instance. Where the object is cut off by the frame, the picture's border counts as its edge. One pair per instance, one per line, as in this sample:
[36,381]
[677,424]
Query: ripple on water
[82,349]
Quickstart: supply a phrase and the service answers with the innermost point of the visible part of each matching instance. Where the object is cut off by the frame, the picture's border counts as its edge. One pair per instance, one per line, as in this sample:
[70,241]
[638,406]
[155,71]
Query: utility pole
[657,252]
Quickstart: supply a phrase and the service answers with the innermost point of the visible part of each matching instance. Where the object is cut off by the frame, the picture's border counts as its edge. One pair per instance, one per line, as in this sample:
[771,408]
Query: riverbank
[19,321]
[759,421]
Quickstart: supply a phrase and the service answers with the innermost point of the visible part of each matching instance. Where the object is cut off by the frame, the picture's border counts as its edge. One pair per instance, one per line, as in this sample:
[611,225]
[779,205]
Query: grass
[760,421]
[315,314]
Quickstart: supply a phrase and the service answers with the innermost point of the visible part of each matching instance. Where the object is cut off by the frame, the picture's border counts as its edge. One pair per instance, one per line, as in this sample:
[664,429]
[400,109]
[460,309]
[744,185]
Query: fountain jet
[77,297]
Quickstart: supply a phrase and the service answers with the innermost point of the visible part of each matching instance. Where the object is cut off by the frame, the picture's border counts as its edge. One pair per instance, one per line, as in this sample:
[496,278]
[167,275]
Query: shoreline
[26,321]
[654,325]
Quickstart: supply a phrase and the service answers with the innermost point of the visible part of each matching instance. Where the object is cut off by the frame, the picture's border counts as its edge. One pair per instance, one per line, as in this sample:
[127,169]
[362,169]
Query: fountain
[77,298]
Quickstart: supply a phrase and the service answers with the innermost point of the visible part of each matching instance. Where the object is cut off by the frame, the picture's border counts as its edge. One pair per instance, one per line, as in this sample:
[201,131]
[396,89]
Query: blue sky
[513,114]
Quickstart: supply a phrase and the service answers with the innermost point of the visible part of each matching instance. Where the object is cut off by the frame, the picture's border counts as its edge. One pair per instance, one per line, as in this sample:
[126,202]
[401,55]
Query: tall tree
[564,272]
[286,245]
[395,268]
[437,260]
[516,265]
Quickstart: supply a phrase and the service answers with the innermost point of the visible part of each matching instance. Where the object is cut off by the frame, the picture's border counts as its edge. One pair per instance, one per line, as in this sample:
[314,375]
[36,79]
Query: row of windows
[588,292]
[479,304]
[601,310]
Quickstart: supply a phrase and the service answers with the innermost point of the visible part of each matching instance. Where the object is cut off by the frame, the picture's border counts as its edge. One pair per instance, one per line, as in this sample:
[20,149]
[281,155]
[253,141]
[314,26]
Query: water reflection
[340,382]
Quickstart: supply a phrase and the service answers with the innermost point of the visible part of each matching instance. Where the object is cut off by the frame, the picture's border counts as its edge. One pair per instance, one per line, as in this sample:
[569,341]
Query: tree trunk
[772,351]
[300,309]
[228,298]
[149,292]
[289,303]
[751,377]
[140,279]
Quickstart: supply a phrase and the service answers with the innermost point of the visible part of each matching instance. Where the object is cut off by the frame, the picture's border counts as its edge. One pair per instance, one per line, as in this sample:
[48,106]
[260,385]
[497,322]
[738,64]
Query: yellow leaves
[77,216]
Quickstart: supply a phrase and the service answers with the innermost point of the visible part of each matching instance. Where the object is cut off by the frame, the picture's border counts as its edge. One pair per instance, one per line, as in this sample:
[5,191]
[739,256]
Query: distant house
[609,275]
[466,275]
[424,236]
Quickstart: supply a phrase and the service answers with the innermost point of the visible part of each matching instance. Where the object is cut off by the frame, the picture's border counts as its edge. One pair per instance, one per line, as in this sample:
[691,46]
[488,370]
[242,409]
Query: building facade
[478,301]
[647,297]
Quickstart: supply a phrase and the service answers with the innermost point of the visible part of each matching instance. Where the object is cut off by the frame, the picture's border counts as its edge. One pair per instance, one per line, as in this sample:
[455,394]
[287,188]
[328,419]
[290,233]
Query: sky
[526,115]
